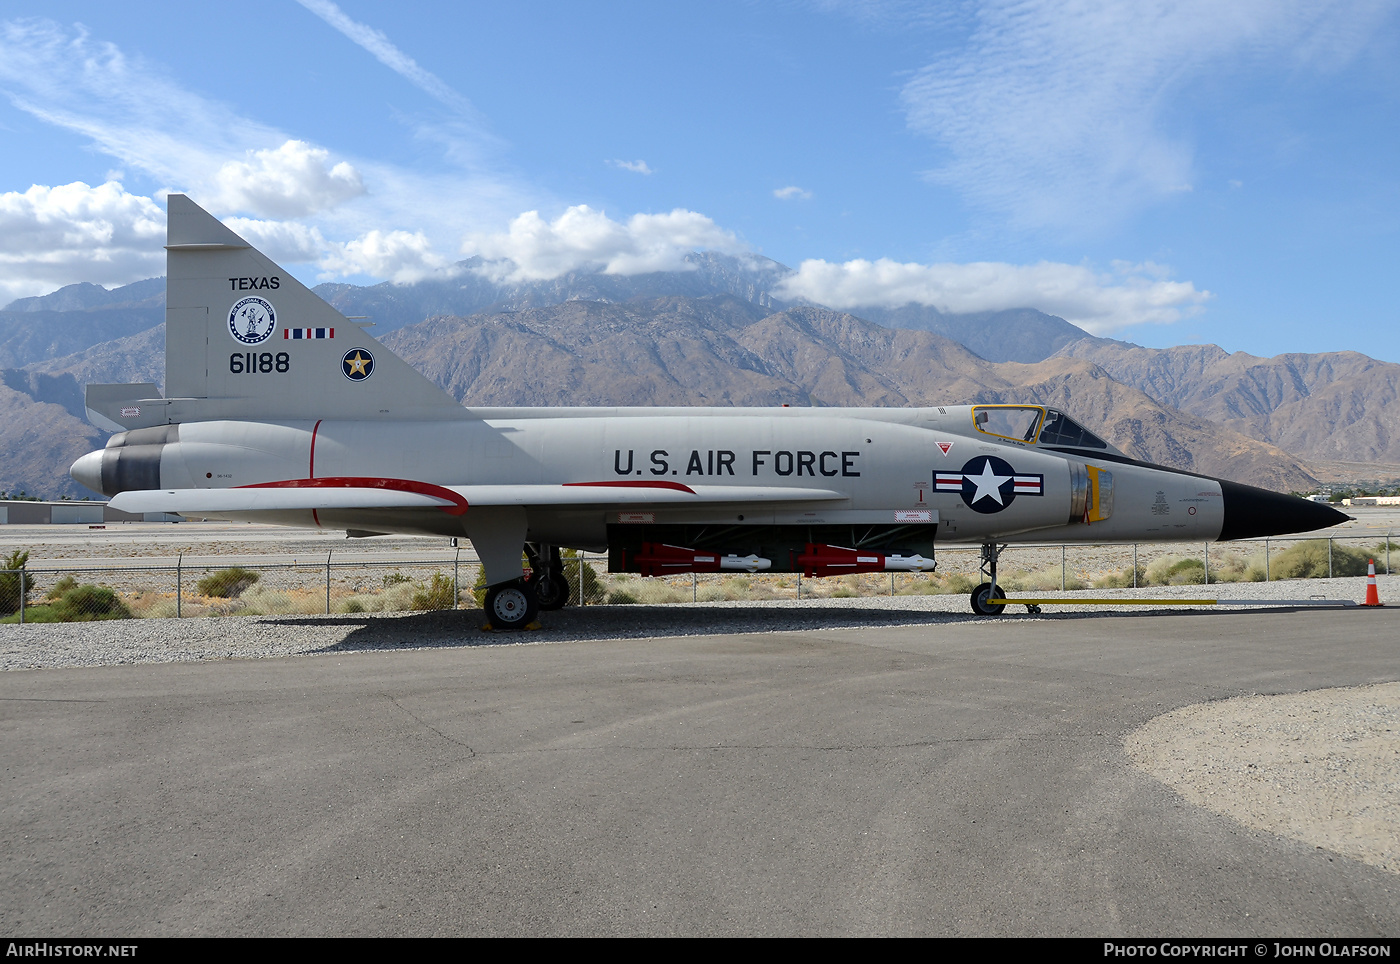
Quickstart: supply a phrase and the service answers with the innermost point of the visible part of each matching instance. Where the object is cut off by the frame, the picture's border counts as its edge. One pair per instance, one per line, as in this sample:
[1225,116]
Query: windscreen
[1008,421]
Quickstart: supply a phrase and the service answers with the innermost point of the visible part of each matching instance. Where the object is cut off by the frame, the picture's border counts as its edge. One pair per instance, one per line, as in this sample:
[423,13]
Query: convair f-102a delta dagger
[278,409]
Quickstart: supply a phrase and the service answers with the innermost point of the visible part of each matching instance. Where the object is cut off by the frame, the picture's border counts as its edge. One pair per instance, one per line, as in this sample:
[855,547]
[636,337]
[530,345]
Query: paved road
[957,779]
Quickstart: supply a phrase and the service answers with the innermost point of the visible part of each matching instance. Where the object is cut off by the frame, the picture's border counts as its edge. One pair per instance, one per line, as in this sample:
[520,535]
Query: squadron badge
[988,484]
[252,320]
[357,364]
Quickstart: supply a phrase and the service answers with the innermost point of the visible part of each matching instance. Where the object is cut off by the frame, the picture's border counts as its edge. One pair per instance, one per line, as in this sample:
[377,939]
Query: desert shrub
[655,592]
[957,584]
[84,603]
[395,578]
[1233,567]
[583,573]
[1176,571]
[1049,580]
[916,586]
[479,587]
[1308,560]
[439,593]
[621,597]
[10,580]
[263,601]
[74,604]
[61,587]
[227,583]
[755,588]
[396,599]
[1185,572]
[1121,580]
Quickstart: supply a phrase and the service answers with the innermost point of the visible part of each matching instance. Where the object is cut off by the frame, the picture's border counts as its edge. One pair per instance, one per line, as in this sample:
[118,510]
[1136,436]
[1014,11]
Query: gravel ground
[1322,767]
[50,645]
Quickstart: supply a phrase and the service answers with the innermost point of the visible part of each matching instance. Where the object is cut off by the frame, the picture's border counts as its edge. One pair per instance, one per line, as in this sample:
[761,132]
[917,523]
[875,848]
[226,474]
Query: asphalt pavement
[965,778]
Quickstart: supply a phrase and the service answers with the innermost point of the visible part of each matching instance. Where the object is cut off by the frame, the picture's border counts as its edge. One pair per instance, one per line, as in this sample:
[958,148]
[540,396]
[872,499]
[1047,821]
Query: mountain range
[718,335]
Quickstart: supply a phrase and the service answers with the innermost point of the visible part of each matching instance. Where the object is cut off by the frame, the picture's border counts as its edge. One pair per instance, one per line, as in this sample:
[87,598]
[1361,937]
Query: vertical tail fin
[244,339]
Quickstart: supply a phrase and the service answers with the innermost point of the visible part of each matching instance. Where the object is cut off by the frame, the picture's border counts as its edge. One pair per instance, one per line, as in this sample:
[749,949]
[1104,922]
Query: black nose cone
[1252,513]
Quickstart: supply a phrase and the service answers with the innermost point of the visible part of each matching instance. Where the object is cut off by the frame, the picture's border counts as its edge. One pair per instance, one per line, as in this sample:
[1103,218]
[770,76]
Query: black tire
[981,594]
[553,594]
[510,605]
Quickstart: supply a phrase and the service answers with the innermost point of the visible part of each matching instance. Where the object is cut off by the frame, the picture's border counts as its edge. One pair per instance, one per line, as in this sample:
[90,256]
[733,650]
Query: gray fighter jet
[279,409]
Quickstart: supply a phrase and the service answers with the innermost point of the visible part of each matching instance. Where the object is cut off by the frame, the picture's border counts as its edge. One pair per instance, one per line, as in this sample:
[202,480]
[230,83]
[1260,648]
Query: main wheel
[510,605]
[981,594]
[552,593]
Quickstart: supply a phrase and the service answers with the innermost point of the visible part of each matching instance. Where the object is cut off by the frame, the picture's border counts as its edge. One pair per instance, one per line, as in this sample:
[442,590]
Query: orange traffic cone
[1373,598]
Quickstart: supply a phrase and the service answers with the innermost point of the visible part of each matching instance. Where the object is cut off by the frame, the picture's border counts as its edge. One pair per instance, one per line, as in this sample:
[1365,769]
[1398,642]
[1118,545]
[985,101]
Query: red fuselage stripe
[311,469]
[459,504]
[639,484]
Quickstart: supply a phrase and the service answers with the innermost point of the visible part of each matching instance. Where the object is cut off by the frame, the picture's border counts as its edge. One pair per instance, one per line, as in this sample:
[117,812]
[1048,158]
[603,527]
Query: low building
[23,512]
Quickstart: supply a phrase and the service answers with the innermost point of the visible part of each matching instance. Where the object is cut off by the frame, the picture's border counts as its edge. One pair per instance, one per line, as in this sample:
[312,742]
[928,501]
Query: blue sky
[1168,173]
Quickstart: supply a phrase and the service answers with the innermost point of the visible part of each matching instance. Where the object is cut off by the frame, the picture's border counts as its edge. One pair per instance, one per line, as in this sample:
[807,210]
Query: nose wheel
[981,607]
[989,590]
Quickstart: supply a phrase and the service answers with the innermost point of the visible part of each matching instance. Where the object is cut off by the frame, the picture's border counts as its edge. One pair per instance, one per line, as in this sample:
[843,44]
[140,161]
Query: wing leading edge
[365,493]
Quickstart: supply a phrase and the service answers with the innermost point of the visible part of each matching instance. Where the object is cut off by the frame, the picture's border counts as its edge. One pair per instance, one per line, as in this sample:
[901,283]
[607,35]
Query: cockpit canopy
[1034,424]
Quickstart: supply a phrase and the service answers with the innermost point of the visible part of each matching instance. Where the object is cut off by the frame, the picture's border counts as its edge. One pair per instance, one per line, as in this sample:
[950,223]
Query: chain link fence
[183,591]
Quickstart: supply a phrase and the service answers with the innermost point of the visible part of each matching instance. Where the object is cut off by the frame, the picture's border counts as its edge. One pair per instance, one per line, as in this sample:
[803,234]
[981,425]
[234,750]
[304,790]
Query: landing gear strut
[550,585]
[990,590]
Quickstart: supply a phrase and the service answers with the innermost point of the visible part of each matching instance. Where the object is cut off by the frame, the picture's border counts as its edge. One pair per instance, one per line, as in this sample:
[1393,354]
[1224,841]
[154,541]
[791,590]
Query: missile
[824,560]
[658,559]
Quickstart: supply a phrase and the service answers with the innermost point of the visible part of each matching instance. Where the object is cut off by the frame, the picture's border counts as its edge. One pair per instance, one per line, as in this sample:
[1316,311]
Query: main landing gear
[515,604]
[989,590]
[511,605]
[547,576]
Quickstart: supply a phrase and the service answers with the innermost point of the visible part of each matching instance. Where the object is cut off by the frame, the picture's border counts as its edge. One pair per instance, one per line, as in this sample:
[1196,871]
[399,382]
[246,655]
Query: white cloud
[792,193]
[1052,114]
[396,255]
[134,114]
[584,239]
[290,181]
[636,167]
[384,50]
[131,111]
[1098,302]
[51,236]
[285,242]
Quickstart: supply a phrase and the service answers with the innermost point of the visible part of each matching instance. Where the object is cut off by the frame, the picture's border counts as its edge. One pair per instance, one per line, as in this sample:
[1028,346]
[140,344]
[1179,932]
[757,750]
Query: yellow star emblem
[357,364]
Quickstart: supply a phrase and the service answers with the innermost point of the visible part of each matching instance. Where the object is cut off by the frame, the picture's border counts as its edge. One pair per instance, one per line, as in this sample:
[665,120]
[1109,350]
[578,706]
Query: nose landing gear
[990,590]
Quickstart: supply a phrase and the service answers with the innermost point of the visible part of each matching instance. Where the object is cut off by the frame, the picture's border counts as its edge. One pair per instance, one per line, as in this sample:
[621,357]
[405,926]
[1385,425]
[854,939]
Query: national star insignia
[988,484]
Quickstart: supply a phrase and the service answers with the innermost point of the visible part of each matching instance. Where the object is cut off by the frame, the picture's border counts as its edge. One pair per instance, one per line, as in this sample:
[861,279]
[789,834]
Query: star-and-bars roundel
[988,484]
